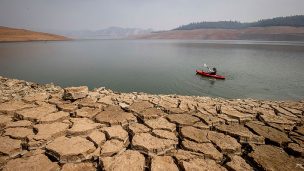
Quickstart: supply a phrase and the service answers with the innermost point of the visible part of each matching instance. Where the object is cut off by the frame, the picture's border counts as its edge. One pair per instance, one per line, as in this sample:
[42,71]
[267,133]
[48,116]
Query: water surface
[263,70]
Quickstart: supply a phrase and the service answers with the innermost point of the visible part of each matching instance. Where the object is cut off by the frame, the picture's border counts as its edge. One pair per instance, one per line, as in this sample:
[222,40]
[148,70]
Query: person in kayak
[212,71]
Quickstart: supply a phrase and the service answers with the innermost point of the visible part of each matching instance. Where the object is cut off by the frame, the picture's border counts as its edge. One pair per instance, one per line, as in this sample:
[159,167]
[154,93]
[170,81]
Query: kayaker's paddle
[205,65]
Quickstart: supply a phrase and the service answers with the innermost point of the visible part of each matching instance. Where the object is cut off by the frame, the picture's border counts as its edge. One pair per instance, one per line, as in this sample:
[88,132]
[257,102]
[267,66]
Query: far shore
[274,33]
[22,35]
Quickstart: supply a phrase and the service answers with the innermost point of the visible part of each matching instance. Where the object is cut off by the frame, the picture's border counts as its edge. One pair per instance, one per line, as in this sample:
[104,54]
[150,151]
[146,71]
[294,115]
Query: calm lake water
[263,70]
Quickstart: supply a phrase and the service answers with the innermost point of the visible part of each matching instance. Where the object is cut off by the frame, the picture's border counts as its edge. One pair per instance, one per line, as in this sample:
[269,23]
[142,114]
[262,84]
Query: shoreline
[24,41]
[51,128]
[226,42]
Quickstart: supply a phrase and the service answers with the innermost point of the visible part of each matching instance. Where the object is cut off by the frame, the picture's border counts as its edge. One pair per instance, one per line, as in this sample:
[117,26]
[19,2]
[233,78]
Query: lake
[253,69]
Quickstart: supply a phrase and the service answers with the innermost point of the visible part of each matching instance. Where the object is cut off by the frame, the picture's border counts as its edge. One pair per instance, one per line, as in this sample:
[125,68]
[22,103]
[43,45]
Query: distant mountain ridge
[292,21]
[107,33]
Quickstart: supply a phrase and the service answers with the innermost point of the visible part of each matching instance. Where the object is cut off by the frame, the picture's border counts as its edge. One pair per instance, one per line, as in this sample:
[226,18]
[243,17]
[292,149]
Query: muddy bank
[47,127]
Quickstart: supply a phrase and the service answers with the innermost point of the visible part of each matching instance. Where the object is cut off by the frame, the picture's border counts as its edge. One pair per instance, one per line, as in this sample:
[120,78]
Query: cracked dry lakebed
[49,128]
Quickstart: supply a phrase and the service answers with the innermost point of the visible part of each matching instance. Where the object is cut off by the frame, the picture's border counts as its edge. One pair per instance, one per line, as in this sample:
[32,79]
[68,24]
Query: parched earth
[46,127]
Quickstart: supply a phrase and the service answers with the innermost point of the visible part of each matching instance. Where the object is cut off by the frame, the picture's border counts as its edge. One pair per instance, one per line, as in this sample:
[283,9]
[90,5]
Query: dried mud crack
[47,127]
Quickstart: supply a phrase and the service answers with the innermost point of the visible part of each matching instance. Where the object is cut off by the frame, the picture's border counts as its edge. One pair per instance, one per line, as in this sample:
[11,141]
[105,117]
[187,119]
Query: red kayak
[209,75]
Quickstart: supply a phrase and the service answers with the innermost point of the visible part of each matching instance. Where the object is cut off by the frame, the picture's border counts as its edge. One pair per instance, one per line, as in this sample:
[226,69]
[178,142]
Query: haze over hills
[107,33]
[12,34]
[277,29]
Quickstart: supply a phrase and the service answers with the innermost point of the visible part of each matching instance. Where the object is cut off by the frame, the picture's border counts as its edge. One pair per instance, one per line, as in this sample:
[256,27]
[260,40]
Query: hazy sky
[156,14]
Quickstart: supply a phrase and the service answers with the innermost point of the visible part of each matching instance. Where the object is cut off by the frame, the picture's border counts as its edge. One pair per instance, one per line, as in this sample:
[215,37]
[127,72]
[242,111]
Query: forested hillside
[293,21]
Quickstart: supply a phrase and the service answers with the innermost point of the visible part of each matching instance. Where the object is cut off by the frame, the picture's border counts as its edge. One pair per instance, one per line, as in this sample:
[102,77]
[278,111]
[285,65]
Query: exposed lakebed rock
[46,127]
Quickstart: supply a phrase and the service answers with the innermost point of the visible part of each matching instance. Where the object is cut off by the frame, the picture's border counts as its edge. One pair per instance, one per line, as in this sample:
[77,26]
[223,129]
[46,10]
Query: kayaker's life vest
[213,71]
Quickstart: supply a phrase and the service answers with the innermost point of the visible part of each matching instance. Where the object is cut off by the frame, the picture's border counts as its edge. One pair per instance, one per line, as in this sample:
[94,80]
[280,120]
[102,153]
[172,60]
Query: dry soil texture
[46,127]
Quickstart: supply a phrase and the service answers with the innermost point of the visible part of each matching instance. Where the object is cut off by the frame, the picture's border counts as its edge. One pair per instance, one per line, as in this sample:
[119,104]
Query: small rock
[36,97]
[135,128]
[242,118]
[34,152]
[296,149]
[240,132]
[278,109]
[56,101]
[300,130]
[113,108]
[9,146]
[112,147]
[194,134]
[174,110]
[78,167]
[294,111]
[66,150]
[238,163]
[116,132]
[151,145]
[270,117]
[87,112]
[182,119]
[107,100]
[140,106]
[207,149]
[115,118]
[160,163]
[281,127]
[169,103]
[165,134]
[19,133]
[298,138]
[35,114]
[187,105]
[124,106]
[54,117]
[126,98]
[4,120]
[12,106]
[225,143]
[160,123]
[97,137]
[202,164]
[74,93]
[201,125]
[273,158]
[88,102]
[82,126]
[189,166]
[67,107]
[37,162]
[228,120]
[50,131]
[128,160]
[269,133]
[21,123]
[151,113]
[186,155]
[210,119]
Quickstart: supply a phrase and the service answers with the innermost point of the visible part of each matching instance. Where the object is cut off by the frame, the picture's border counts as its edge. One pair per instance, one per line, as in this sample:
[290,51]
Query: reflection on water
[265,70]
